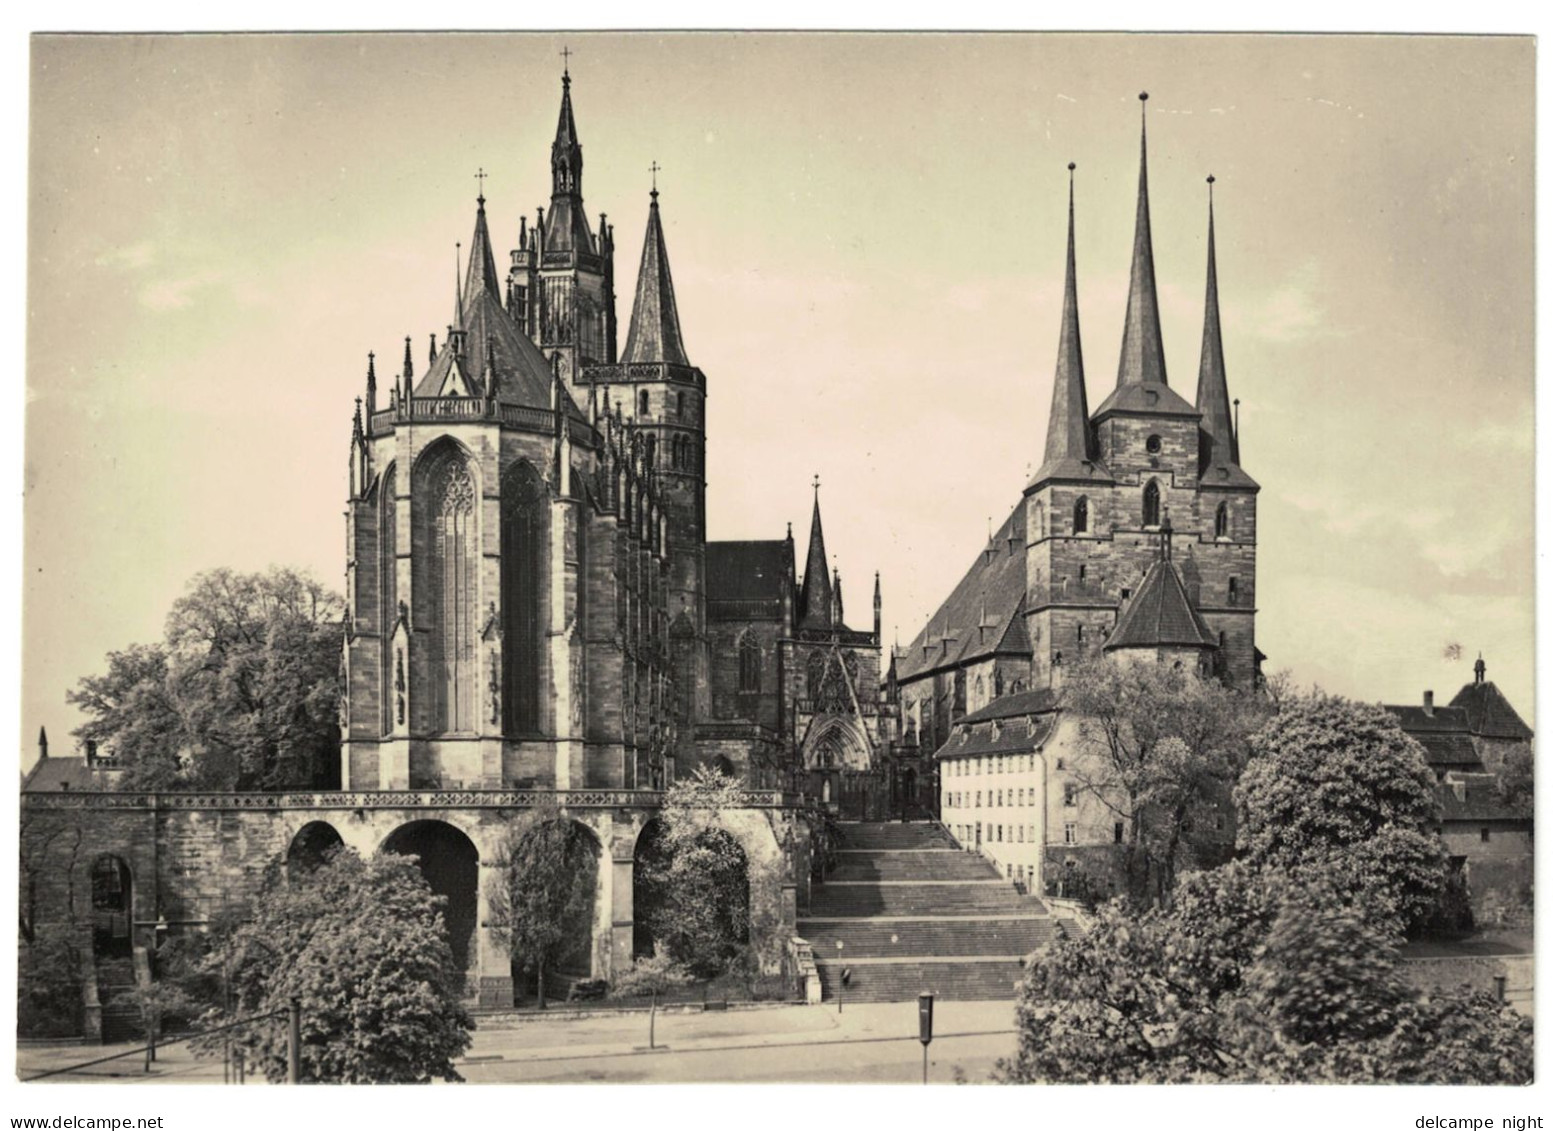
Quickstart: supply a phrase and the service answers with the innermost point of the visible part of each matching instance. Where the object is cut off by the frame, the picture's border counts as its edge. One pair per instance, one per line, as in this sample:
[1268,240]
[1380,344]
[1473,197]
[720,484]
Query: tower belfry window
[1081,515]
[641,403]
[1151,503]
[1221,521]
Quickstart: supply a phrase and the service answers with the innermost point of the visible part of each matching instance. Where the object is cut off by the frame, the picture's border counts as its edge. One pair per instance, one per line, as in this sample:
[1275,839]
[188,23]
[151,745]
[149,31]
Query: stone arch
[835,743]
[450,863]
[707,942]
[525,530]
[585,856]
[313,845]
[445,491]
[113,903]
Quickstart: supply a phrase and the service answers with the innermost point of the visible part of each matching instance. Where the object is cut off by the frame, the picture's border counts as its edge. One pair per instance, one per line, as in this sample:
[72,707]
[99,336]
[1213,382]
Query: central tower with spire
[561,285]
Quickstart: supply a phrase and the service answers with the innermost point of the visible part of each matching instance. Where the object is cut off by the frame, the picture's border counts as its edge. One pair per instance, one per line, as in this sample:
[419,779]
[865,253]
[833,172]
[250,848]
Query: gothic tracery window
[1151,503]
[447,500]
[749,663]
[523,540]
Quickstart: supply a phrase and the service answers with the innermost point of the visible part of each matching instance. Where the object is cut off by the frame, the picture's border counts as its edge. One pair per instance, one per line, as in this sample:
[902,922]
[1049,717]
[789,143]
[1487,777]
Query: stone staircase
[913,912]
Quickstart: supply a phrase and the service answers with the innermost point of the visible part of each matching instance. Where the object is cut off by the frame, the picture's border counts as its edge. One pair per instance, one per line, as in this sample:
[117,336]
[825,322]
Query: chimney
[1429,703]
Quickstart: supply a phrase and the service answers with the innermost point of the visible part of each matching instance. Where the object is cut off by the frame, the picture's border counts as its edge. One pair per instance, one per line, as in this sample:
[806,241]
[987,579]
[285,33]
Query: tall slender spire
[1068,448]
[654,335]
[566,225]
[814,600]
[481,275]
[1143,347]
[1212,382]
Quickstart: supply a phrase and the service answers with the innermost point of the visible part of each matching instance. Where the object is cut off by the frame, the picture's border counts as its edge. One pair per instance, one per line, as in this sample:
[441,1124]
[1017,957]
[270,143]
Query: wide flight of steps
[914,913]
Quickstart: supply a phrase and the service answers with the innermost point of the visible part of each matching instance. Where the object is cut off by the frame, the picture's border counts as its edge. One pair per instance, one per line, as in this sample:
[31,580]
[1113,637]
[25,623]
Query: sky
[867,237]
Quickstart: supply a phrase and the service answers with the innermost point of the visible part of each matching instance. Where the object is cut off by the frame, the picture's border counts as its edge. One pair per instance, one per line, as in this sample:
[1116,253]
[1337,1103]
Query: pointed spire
[815,597]
[371,382]
[481,275]
[654,335]
[1143,348]
[878,608]
[1212,383]
[43,743]
[409,363]
[566,151]
[1068,447]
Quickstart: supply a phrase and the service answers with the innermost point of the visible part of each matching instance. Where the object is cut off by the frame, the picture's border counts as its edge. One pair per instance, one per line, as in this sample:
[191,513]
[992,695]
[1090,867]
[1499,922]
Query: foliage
[542,911]
[1250,975]
[1161,747]
[1514,780]
[48,988]
[650,976]
[1336,788]
[363,945]
[155,1001]
[244,691]
[695,876]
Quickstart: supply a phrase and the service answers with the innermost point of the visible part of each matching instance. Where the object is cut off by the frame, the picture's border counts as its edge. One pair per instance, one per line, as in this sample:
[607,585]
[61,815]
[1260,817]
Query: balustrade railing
[385,799]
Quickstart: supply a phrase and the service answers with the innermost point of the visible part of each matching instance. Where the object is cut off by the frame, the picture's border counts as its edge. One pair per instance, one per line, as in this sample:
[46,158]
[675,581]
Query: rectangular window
[1070,833]
[978,799]
[1069,794]
[1059,763]
[1484,833]
[1117,832]
[1021,834]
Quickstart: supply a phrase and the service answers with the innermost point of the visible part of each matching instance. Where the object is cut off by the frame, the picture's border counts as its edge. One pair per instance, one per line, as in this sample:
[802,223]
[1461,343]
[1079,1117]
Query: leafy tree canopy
[1336,788]
[243,692]
[363,945]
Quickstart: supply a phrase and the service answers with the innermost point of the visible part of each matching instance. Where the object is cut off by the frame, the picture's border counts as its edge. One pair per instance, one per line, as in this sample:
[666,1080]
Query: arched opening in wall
[908,788]
[651,450]
[524,535]
[1081,515]
[446,500]
[551,895]
[1151,503]
[1221,521]
[112,907]
[693,898]
[641,403]
[315,843]
[724,766]
[450,864]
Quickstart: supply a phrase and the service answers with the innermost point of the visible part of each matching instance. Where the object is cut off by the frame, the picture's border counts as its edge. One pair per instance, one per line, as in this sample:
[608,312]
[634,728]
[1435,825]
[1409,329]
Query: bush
[48,989]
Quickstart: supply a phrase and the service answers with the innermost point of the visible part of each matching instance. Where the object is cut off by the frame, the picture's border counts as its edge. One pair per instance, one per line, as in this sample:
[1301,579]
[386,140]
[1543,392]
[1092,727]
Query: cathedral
[533,601]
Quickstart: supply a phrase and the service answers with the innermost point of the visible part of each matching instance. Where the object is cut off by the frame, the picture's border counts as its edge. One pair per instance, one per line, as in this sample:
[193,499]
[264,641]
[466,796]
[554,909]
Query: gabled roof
[1040,701]
[51,775]
[1016,736]
[654,335]
[1161,614]
[1416,719]
[978,618]
[1489,713]
[1443,751]
[746,571]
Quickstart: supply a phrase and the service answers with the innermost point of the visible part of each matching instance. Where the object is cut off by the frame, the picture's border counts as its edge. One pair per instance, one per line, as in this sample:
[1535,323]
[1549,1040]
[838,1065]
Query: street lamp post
[841,978]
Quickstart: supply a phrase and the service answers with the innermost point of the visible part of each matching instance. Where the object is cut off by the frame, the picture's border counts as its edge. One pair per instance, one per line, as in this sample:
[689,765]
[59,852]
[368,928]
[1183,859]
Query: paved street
[864,1044]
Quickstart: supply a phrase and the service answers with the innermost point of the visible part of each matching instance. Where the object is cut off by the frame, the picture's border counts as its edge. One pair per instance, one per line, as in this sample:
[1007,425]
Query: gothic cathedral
[533,602]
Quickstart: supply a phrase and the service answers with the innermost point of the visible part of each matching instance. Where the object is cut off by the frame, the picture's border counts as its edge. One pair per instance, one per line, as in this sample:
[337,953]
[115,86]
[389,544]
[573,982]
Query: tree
[696,877]
[243,693]
[363,945]
[1161,747]
[1514,780]
[1336,787]
[543,909]
[1250,975]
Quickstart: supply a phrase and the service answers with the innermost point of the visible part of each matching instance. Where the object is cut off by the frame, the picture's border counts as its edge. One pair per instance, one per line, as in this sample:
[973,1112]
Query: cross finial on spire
[816,484]
[480,176]
[566,63]
[654,169]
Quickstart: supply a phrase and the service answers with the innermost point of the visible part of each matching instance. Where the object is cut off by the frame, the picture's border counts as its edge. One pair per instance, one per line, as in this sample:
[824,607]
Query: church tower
[561,286]
[1146,467]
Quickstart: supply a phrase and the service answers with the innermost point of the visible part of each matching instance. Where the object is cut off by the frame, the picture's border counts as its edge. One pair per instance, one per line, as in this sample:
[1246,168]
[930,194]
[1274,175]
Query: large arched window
[749,663]
[1151,503]
[446,500]
[1081,515]
[388,612]
[1221,521]
[524,533]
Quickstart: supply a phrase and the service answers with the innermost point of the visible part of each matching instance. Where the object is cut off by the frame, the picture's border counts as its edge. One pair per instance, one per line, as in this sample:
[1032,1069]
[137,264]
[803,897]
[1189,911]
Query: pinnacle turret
[814,600]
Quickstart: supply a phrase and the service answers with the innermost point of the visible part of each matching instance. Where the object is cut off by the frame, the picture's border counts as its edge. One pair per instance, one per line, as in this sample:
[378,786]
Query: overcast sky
[866,235]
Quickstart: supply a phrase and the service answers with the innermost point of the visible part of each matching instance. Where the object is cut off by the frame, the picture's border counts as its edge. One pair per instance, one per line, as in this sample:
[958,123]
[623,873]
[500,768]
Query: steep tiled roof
[1016,736]
[654,335]
[1042,700]
[746,571]
[50,775]
[1443,751]
[1489,713]
[1161,614]
[1478,800]
[1416,719]
[995,584]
